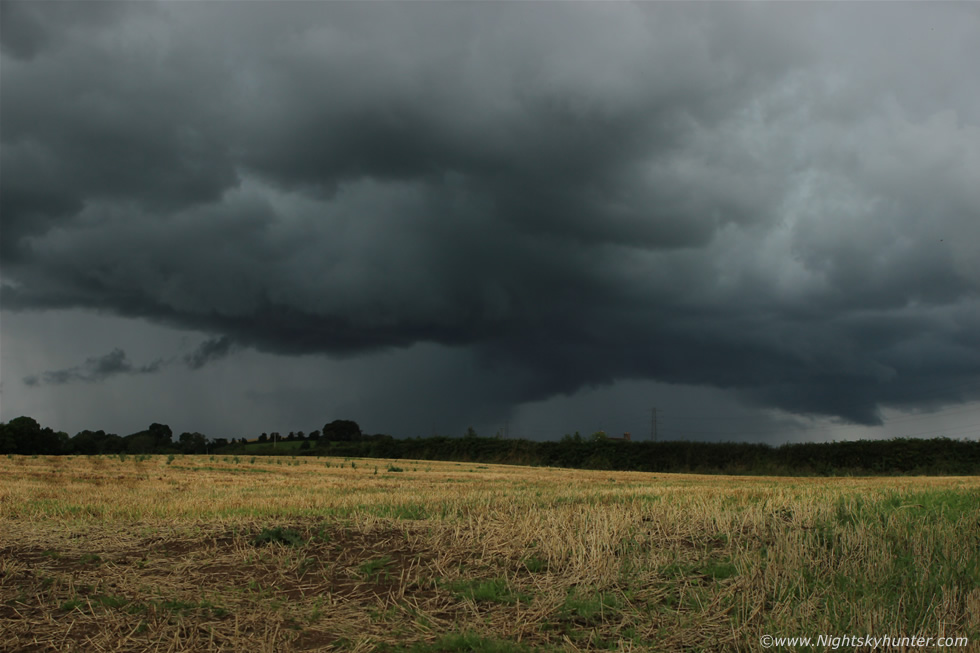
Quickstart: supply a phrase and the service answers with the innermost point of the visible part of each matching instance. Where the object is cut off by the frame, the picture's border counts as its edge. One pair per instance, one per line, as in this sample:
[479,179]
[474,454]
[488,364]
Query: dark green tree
[193,443]
[342,430]
[23,435]
[162,435]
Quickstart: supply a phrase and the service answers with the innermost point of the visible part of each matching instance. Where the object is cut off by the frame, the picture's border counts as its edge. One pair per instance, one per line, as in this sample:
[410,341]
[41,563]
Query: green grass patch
[177,606]
[535,564]
[467,642]
[113,602]
[590,608]
[279,535]
[494,590]
[408,511]
[720,570]
[377,569]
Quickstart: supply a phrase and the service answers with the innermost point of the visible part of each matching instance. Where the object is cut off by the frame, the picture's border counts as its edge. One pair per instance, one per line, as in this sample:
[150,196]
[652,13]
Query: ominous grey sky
[763,219]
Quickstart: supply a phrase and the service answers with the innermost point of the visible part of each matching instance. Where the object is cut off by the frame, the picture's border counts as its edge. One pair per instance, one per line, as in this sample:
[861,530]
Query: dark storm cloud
[97,114]
[116,362]
[95,369]
[715,195]
[28,29]
[209,351]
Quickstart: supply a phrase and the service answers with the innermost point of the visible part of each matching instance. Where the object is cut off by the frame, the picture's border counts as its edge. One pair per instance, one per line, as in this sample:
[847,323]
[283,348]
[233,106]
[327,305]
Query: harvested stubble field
[278,554]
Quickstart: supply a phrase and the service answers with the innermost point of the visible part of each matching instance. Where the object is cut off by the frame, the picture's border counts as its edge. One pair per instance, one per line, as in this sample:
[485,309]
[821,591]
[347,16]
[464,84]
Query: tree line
[24,436]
